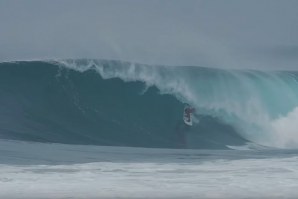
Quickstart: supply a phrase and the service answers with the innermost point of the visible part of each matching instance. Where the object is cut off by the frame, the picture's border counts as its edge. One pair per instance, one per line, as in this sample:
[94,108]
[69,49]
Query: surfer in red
[187,111]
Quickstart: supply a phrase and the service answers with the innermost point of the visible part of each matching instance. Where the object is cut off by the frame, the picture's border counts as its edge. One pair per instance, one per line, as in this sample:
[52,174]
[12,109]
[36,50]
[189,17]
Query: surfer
[188,111]
[183,127]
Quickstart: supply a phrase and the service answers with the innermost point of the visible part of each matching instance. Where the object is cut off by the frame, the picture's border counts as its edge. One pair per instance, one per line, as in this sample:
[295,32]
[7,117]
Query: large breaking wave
[124,104]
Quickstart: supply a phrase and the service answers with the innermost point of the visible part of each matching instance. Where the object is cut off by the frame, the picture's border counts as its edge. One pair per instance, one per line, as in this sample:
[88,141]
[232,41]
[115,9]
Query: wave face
[123,104]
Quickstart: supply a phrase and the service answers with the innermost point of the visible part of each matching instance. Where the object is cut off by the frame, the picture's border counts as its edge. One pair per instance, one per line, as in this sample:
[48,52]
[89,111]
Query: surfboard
[186,120]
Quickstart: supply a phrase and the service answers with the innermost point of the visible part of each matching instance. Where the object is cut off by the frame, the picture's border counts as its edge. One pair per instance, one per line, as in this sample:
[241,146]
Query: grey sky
[212,33]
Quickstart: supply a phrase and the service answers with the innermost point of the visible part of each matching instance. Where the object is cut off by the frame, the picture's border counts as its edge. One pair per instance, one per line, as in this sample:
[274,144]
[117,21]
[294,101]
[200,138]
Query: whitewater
[89,128]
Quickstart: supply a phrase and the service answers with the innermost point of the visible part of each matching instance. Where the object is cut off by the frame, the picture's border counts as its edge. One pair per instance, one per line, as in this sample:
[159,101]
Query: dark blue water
[43,102]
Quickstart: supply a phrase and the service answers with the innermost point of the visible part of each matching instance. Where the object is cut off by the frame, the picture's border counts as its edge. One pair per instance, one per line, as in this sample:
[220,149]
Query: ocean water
[112,129]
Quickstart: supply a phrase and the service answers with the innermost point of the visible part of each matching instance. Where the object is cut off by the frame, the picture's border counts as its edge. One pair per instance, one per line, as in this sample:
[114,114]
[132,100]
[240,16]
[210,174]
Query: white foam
[285,130]
[36,170]
[168,82]
[248,146]
[249,178]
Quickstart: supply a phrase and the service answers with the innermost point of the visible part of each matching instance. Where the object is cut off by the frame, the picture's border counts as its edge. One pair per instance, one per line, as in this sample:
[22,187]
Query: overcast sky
[213,33]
